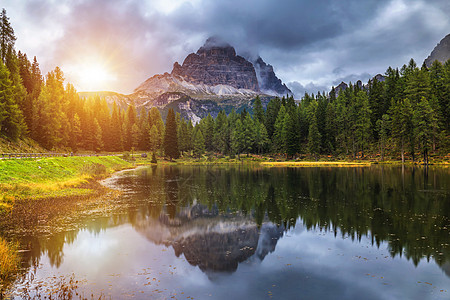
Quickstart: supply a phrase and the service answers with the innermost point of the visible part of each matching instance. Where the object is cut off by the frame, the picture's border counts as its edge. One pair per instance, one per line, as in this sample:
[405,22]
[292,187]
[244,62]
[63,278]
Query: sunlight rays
[91,73]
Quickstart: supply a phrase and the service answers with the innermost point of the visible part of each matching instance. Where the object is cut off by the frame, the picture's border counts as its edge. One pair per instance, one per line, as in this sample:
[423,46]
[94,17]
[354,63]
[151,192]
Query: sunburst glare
[91,75]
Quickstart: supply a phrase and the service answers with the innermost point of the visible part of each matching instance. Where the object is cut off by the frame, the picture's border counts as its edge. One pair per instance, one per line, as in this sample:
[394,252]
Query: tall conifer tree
[170,136]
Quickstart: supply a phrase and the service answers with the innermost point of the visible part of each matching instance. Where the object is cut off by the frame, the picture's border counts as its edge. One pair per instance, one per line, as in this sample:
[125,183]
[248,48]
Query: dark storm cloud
[311,44]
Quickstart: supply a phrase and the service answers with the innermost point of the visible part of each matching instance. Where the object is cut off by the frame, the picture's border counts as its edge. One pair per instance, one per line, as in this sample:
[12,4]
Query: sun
[91,75]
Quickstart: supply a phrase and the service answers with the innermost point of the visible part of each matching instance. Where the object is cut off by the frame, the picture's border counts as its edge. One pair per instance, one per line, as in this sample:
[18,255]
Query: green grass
[52,177]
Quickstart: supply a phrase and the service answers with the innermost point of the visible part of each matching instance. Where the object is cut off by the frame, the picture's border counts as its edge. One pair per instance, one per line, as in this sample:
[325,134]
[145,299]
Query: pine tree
[98,136]
[248,136]
[332,94]
[392,88]
[6,94]
[144,142]
[439,92]
[402,127]
[303,125]
[199,143]
[154,118]
[417,84]
[321,116]
[208,131]
[116,138]
[76,133]
[330,128]
[271,115]
[135,135]
[258,110]
[16,123]
[237,137]
[261,137]
[88,128]
[170,136]
[376,102]
[277,140]
[289,135]
[190,133]
[363,129]
[221,139]
[445,101]
[131,119]
[155,139]
[50,109]
[30,109]
[7,38]
[182,135]
[382,126]
[425,125]
[314,138]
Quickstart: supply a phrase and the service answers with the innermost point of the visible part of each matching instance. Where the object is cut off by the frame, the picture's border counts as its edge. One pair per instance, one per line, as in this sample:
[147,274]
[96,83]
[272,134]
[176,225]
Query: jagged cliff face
[218,65]
[440,53]
[214,72]
[268,81]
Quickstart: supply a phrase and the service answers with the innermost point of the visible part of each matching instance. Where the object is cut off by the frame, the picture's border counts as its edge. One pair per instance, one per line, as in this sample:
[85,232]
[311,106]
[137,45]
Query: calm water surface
[256,233]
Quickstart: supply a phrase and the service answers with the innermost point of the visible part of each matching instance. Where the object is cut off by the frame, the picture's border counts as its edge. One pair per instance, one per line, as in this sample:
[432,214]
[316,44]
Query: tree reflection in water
[219,217]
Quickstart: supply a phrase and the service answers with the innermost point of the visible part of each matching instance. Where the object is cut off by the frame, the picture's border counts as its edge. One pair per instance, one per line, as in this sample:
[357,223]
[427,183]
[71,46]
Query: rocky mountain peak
[440,53]
[212,79]
[214,46]
[268,81]
[216,63]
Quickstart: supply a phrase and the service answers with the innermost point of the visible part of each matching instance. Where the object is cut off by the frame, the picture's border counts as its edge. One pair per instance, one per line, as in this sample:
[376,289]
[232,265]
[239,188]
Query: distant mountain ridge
[440,53]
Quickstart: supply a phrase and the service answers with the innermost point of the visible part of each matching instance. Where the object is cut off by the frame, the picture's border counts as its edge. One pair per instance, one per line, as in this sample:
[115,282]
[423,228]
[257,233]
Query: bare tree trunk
[425,156]
[403,154]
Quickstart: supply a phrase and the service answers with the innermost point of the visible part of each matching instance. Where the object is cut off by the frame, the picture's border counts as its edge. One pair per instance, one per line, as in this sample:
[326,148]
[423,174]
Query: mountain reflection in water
[211,241]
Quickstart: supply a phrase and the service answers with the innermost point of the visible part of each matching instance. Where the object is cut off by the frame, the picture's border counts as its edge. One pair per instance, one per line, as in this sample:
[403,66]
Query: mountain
[441,52]
[212,79]
[216,64]
[216,71]
[268,82]
[213,241]
[343,86]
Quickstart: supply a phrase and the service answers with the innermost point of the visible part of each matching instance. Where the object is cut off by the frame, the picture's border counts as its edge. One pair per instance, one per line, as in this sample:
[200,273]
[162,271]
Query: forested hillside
[408,113]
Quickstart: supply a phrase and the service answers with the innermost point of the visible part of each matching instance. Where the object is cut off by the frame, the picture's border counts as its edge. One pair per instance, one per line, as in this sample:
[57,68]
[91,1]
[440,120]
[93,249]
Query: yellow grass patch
[337,164]
[9,260]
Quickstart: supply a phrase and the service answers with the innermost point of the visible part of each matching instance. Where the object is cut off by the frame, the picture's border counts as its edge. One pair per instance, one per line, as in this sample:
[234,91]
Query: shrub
[126,155]
[94,169]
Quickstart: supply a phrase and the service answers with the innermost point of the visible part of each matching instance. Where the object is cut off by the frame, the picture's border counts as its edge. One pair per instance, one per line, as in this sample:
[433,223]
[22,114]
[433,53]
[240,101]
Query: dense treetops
[408,113]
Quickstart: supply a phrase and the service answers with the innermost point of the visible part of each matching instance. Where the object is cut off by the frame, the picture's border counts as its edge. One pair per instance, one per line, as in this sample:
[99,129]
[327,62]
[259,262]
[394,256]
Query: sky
[312,45]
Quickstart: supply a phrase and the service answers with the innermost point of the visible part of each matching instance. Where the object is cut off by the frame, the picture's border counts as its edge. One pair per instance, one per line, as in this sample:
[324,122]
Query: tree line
[406,114]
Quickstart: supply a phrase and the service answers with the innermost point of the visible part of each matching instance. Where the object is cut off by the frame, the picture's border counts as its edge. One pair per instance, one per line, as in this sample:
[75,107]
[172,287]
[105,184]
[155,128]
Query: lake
[246,232]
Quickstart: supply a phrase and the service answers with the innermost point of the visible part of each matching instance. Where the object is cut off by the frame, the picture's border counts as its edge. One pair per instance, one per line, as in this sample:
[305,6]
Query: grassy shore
[9,261]
[52,177]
